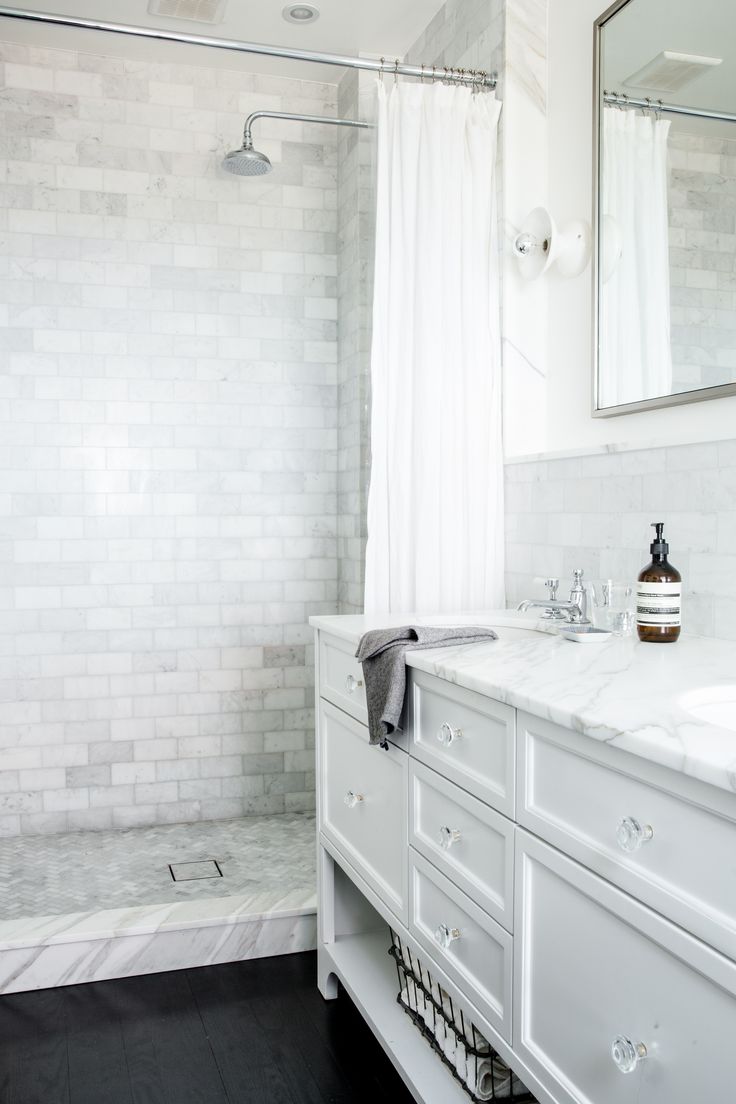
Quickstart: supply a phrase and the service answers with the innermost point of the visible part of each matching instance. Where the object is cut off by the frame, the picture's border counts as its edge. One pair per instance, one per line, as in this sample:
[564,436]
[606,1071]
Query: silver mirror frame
[702,394]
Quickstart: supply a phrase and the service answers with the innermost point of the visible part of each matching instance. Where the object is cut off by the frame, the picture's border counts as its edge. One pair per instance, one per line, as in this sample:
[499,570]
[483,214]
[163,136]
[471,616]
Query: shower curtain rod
[473,77]
[620,99]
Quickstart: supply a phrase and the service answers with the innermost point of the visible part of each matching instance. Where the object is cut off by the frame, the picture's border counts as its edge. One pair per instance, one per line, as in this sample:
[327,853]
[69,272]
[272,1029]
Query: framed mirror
[665,204]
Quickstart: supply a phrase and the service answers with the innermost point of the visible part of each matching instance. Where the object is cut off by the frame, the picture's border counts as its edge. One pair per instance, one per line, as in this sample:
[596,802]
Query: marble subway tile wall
[702,184]
[594,511]
[168,444]
[356,241]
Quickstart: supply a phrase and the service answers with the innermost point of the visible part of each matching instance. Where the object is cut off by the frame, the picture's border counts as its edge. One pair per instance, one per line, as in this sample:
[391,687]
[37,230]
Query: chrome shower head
[246,161]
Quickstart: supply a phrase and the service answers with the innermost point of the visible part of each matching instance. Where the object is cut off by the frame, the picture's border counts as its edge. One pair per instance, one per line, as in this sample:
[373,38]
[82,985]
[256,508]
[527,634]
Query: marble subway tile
[604,524]
[169,442]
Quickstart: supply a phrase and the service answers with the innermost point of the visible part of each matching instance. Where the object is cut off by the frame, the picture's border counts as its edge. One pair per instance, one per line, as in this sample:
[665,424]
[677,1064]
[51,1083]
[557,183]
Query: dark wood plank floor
[245,1033]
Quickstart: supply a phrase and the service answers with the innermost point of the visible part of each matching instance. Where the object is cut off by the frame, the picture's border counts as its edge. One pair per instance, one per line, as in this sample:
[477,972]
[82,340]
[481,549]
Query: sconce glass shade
[533,246]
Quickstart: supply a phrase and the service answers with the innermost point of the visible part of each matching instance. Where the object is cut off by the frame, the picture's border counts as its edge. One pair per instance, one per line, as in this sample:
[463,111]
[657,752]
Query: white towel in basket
[487,1078]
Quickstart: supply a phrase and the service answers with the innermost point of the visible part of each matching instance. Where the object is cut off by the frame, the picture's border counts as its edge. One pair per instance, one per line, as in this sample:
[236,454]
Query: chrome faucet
[575,610]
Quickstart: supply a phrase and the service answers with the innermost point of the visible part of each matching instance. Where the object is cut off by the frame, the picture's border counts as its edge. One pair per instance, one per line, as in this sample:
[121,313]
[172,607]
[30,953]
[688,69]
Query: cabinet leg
[326,980]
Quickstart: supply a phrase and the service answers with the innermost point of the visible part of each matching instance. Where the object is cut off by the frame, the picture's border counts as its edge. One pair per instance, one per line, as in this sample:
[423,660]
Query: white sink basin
[716,705]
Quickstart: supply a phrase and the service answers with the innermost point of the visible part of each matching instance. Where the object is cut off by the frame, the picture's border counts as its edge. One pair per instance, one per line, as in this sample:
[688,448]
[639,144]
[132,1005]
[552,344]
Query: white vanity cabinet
[575,900]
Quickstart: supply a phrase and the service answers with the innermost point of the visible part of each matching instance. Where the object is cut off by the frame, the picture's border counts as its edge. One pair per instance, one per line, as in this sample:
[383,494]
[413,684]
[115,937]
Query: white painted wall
[568,423]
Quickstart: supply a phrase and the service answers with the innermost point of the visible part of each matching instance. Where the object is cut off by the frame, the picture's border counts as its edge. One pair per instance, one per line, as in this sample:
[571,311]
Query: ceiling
[643,28]
[383,28]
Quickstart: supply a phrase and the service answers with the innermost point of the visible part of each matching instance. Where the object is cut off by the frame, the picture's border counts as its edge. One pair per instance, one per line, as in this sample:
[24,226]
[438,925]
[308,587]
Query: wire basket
[467,1054]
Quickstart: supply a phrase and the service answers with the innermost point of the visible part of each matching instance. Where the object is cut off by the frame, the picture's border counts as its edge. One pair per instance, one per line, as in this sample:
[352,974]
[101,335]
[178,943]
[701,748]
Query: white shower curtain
[635,351]
[435,506]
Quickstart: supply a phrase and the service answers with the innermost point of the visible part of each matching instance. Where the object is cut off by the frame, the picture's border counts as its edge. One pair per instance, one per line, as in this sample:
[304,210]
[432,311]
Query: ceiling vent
[195,11]
[669,71]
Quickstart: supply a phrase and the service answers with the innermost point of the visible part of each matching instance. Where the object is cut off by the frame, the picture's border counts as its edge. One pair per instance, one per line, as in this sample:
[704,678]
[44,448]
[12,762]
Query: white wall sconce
[540,245]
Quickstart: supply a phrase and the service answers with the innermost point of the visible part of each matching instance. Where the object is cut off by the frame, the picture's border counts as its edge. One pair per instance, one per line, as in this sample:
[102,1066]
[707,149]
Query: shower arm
[296,118]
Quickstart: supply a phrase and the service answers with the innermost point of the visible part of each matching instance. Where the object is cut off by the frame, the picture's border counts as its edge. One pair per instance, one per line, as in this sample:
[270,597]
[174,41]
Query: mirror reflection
[666,232]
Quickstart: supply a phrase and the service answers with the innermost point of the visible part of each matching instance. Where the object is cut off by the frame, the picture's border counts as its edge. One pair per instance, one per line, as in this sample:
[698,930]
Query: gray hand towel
[381,653]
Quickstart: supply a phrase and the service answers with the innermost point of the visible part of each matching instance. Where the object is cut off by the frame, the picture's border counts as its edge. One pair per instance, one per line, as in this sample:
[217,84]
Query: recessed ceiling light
[300,13]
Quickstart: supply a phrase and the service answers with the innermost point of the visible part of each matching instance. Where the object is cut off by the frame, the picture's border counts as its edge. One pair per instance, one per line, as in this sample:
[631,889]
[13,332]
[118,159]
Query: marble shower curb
[46,952]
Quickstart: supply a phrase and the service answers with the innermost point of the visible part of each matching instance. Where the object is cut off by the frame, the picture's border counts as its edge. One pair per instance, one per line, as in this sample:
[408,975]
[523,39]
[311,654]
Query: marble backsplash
[594,511]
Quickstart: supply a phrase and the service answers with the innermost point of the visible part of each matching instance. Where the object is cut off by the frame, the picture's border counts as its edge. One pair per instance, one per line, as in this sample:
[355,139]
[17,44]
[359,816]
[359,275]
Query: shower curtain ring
[380,72]
[421,78]
[658,111]
[396,72]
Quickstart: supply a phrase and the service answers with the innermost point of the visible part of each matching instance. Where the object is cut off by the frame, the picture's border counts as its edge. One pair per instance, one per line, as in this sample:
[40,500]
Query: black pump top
[659,546]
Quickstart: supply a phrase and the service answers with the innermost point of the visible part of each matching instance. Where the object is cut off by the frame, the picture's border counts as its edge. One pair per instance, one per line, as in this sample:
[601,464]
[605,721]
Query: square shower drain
[193,871]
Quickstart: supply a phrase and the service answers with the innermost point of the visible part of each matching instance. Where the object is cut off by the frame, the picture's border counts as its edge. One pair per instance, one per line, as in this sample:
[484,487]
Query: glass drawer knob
[445,936]
[352,684]
[352,799]
[626,1054]
[630,834]
[447,734]
[448,836]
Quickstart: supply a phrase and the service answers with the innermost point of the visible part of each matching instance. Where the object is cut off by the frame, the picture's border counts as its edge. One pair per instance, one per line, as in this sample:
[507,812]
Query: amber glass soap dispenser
[659,595]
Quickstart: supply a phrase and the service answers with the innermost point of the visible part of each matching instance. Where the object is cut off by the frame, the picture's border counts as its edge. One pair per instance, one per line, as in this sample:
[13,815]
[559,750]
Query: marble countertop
[633,696]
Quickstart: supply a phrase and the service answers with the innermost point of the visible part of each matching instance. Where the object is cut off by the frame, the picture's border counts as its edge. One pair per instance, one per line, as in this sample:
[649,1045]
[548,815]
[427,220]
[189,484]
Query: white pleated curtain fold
[435,506]
[635,350]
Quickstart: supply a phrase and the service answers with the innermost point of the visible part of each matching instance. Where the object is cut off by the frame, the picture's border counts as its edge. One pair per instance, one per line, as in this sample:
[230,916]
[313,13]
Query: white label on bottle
[659,604]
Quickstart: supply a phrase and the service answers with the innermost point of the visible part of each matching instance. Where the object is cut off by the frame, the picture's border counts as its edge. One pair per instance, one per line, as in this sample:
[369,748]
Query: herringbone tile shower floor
[90,871]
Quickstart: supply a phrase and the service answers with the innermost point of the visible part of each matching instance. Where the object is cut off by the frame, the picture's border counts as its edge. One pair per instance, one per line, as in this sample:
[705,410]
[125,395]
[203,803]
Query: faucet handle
[552,586]
[577,577]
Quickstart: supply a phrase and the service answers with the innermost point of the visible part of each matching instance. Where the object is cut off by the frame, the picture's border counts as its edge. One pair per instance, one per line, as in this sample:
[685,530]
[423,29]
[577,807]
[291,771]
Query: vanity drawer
[473,949]
[465,737]
[588,807]
[341,676]
[596,966]
[469,842]
[363,808]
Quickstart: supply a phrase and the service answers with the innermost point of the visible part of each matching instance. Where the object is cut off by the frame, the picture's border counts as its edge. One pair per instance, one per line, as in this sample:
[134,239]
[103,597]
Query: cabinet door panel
[595,966]
[469,842]
[341,676]
[370,828]
[465,737]
[684,863]
[477,956]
